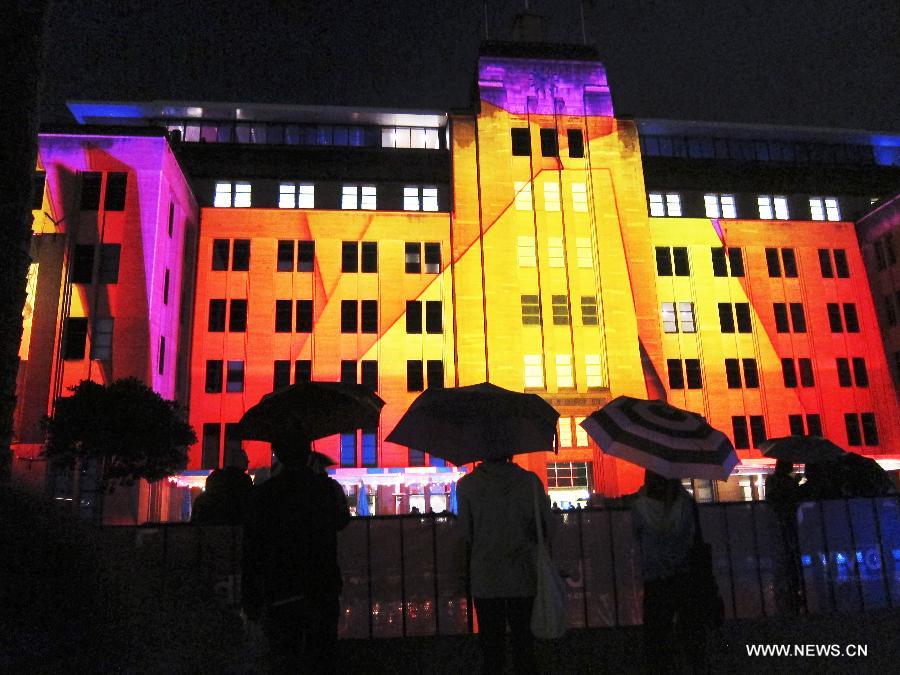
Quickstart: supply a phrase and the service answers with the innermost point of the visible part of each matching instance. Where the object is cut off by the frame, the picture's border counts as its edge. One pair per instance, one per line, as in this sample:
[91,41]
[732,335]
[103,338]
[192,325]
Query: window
[411,198]
[526,253]
[161,356]
[751,373]
[296,196]
[232,194]
[348,372]
[348,449]
[369,374]
[369,257]
[522,195]
[212,434]
[556,256]
[733,373]
[433,317]
[214,371]
[840,263]
[851,320]
[684,317]
[285,256]
[824,208]
[677,370]
[216,316]
[787,259]
[304,316]
[565,379]
[806,373]
[101,339]
[220,254]
[665,204]
[740,433]
[757,430]
[669,320]
[281,376]
[798,317]
[415,458]
[234,446]
[569,475]
[222,198]
[82,264]
[813,425]
[772,208]
[870,432]
[369,448]
[534,371]
[349,322]
[349,197]
[549,143]
[724,259]
[369,316]
[676,373]
[665,257]
[237,317]
[834,317]
[579,198]
[420,199]
[283,316]
[581,437]
[521,141]
[429,199]
[171,221]
[789,372]
[432,258]
[413,316]
[860,373]
[166,288]
[869,435]
[843,371]
[560,310]
[727,314]
[415,380]
[434,370]
[302,371]
[367,199]
[306,253]
[90,190]
[825,263]
[584,252]
[593,371]
[564,428]
[349,256]
[240,255]
[115,191]
[551,196]
[589,311]
[38,182]
[576,142]
[531,310]
[720,206]
[234,378]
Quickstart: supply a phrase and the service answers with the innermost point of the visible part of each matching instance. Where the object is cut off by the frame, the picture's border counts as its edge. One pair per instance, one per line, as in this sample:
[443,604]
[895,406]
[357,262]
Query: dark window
[806,373]
[349,256]
[101,339]
[676,373]
[663,261]
[283,316]
[682,269]
[369,448]
[843,371]
[434,370]
[281,376]
[589,313]
[825,263]
[432,258]
[348,449]
[76,336]
[234,445]
[851,423]
[234,377]
[415,380]
[521,141]
[870,431]
[37,190]
[740,433]
[285,256]
[370,256]
[369,316]
[757,430]
[781,319]
[549,143]
[694,378]
[840,263]
[171,223]
[834,318]
[213,376]
[348,316]
[413,316]
[798,318]
[304,316]
[751,374]
[789,261]
[90,190]
[742,310]
[83,264]
[576,142]
[433,317]
[348,371]
[306,253]
[237,318]
[814,425]
[216,316]
[115,191]
[720,266]
[789,373]
[726,317]
[166,288]
[369,374]
[736,261]
[108,271]
[413,257]
[302,371]
[732,373]
[772,262]
[416,458]
[220,255]
[850,317]
[240,255]
[560,309]
[210,453]
[860,374]
[161,356]
[796,424]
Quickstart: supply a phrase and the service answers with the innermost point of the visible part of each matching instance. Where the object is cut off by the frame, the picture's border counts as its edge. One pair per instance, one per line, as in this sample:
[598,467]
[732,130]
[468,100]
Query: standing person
[783,494]
[664,521]
[496,511]
[290,576]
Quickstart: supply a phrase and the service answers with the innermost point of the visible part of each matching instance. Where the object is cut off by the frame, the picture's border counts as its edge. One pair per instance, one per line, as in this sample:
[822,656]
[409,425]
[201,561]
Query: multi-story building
[536,241]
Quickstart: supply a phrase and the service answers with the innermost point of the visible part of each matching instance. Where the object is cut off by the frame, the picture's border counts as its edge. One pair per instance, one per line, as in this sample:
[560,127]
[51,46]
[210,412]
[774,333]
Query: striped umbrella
[669,441]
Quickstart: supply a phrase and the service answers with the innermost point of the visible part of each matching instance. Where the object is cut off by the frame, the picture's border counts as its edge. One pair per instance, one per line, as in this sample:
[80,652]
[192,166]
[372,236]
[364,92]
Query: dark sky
[832,63]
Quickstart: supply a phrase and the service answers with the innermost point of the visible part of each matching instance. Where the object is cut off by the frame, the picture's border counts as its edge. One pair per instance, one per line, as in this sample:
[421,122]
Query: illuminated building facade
[536,241]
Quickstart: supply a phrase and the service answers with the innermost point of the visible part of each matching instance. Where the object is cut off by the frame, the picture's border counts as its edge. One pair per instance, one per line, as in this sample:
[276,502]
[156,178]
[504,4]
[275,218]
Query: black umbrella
[477,422]
[801,449]
[312,410]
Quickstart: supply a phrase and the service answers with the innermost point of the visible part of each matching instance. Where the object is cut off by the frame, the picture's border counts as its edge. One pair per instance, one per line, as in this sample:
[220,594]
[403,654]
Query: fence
[404,575]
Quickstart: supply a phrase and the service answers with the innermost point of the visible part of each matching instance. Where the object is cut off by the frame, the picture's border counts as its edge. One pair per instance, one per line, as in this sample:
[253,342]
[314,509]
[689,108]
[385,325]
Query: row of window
[735,317]
[531,310]
[744,374]
[770,207]
[299,256]
[729,261]
[565,376]
[75,341]
[750,431]
[795,152]
[239,194]
[523,198]
[526,252]
[885,255]
[520,139]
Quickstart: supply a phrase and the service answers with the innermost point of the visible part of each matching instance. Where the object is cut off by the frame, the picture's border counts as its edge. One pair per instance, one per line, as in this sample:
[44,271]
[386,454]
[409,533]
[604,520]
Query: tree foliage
[125,427]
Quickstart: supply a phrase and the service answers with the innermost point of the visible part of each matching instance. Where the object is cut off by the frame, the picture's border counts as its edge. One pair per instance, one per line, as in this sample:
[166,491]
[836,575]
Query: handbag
[548,613]
[707,600]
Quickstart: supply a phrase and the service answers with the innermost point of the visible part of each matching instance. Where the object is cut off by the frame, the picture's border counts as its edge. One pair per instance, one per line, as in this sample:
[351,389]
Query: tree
[125,429]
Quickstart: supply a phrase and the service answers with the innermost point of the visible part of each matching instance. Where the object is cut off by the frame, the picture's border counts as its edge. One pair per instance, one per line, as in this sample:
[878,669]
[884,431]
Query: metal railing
[405,575]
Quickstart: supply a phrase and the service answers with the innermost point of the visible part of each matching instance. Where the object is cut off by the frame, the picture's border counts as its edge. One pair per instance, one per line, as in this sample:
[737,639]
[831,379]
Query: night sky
[831,63]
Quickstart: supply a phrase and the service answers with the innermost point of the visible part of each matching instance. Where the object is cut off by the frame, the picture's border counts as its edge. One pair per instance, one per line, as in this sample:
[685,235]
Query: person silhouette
[290,576]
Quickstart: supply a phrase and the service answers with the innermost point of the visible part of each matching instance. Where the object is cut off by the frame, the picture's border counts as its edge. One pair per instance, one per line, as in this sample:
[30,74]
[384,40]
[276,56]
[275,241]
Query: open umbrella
[311,410]
[477,422]
[669,441]
[802,449]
